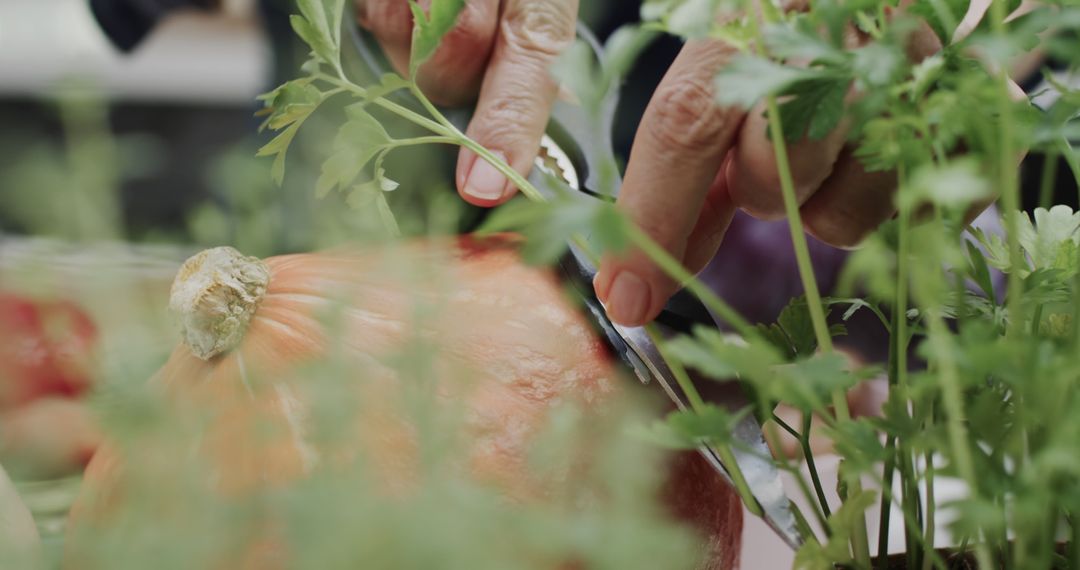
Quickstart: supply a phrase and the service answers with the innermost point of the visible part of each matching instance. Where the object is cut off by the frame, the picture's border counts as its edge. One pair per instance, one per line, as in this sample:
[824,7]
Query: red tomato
[46,348]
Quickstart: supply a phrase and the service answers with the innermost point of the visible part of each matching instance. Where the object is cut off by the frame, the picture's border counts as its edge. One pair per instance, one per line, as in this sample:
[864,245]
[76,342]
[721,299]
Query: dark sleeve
[127,22]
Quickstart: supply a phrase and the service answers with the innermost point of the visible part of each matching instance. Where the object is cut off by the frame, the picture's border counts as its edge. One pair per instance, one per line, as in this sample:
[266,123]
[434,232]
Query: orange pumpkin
[249,327]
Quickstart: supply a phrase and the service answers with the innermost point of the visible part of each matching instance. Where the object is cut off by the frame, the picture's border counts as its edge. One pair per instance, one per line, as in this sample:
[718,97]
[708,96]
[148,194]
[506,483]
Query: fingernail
[628,299]
[485,182]
[598,287]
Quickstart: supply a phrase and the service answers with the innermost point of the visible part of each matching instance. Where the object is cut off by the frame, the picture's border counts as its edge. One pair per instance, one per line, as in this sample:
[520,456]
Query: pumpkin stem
[214,296]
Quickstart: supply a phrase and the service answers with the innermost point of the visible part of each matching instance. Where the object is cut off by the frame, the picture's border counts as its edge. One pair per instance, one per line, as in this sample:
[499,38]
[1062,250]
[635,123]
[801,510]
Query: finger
[753,177]
[716,214]
[516,95]
[683,137]
[455,71]
[453,74]
[850,204]
[391,22]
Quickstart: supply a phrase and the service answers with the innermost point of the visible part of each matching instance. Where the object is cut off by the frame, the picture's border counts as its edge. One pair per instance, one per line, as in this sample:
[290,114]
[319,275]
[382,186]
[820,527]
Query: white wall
[192,57]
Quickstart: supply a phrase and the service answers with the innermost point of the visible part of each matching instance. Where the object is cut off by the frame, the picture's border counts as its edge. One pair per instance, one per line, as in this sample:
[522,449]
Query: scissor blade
[752,454]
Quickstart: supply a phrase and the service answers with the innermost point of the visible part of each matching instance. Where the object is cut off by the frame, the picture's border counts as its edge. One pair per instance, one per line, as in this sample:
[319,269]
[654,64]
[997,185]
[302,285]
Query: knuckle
[686,117]
[541,27]
[502,122]
[838,226]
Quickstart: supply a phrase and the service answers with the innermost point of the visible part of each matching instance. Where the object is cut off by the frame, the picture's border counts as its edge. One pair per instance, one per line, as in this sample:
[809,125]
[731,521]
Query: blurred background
[180,101]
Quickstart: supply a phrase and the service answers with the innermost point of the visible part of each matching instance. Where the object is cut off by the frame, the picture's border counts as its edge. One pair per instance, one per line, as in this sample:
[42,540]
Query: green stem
[677,370]
[1048,179]
[1008,188]
[1069,154]
[931,509]
[514,176]
[859,540]
[1074,544]
[884,513]
[697,404]
[952,398]
[897,354]
[808,454]
[909,497]
[909,521]
[431,109]
[743,488]
[422,140]
[387,104]
[814,501]
[798,240]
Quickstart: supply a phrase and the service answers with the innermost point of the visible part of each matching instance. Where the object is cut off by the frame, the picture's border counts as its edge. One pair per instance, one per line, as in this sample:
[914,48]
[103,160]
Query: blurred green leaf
[429,28]
[749,79]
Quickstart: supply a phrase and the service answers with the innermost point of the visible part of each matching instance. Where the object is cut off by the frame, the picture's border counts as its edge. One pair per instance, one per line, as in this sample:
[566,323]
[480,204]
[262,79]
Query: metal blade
[635,348]
[751,453]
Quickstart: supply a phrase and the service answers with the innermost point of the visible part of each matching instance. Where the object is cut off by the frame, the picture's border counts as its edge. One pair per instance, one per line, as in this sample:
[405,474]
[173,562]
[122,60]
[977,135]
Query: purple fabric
[755,271]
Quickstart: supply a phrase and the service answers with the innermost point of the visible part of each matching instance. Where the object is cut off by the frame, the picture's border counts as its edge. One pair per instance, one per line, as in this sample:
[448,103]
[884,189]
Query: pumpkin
[249,326]
[20,545]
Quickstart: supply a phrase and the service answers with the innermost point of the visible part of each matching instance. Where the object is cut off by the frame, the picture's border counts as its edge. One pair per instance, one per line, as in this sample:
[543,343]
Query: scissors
[569,158]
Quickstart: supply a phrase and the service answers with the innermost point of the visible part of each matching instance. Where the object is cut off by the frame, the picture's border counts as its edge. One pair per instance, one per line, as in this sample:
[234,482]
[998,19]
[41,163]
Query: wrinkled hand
[499,53]
[694,162]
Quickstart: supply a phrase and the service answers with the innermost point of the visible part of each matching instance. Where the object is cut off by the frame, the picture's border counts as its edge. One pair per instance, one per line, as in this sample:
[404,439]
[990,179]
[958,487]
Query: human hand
[694,162]
[500,53]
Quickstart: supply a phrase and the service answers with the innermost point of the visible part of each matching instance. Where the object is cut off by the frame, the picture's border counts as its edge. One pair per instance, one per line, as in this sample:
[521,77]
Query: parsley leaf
[548,226]
[816,109]
[358,141]
[286,107]
[430,28]
[319,25]
[793,331]
[750,78]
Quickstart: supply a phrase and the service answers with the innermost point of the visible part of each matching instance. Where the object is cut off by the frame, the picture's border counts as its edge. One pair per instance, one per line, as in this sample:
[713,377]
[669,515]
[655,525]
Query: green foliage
[709,425]
[547,226]
[319,25]
[749,79]
[430,28]
[359,140]
[793,331]
[814,555]
[817,110]
[1048,243]
[287,108]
